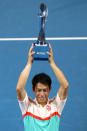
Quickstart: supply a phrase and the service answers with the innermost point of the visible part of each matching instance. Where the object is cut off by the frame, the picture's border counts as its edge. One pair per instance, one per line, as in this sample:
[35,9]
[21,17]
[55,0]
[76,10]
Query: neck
[42,104]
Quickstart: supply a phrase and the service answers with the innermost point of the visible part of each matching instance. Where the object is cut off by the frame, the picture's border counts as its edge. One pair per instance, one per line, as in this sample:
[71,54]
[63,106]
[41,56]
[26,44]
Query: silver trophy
[43,19]
[41,46]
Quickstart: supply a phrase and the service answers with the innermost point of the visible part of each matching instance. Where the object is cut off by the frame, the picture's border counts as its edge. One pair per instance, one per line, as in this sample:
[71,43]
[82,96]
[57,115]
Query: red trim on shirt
[37,117]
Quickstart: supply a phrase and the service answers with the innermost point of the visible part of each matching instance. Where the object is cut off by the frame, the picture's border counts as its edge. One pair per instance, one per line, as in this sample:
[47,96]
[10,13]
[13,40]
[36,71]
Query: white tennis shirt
[39,118]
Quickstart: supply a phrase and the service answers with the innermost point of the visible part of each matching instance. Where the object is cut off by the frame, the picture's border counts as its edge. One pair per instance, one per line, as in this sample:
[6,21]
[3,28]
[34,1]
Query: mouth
[41,98]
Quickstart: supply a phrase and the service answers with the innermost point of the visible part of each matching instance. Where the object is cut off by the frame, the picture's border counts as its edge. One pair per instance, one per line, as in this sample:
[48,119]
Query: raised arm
[24,76]
[63,90]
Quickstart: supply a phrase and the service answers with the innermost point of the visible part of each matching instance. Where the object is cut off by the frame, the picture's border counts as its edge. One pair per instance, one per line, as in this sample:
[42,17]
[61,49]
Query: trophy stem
[43,18]
[41,37]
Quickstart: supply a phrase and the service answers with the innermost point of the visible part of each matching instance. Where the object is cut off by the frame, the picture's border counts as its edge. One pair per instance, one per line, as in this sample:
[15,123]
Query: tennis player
[42,113]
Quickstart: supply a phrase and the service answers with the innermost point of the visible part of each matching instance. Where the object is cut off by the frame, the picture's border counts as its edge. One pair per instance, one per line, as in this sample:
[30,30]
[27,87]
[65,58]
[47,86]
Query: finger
[49,53]
[50,47]
[31,48]
[32,53]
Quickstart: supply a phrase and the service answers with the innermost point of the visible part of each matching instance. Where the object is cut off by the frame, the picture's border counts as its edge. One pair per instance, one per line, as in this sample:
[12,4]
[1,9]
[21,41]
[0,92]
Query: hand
[50,53]
[30,54]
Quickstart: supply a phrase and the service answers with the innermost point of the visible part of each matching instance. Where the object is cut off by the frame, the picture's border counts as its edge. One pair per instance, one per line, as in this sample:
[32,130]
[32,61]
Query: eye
[38,90]
[45,90]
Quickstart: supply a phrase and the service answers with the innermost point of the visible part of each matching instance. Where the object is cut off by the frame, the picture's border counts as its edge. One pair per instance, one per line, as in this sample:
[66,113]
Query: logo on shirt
[48,107]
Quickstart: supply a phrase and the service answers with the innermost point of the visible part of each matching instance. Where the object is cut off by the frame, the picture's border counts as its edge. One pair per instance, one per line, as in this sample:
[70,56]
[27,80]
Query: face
[42,93]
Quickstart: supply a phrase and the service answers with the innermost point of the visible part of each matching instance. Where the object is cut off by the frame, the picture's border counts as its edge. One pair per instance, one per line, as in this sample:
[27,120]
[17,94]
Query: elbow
[19,91]
[18,88]
[67,85]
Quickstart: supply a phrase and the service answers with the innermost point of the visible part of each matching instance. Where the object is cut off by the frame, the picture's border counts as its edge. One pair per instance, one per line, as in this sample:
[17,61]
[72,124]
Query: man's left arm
[64,85]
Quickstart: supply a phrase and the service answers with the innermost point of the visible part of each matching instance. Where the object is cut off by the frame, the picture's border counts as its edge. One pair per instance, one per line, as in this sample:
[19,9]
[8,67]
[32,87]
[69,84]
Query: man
[41,114]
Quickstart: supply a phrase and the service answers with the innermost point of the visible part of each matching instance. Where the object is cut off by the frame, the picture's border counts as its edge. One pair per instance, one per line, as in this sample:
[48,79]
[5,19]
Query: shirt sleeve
[24,104]
[60,103]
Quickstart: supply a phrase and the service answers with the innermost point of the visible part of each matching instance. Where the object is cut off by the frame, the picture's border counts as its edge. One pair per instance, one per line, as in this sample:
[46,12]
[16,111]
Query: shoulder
[31,101]
[57,100]
[52,100]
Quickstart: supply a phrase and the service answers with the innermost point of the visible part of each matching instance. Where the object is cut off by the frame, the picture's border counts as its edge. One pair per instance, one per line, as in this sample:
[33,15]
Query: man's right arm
[21,93]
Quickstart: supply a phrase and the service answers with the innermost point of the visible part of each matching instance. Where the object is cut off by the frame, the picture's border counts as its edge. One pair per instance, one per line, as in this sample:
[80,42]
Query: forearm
[24,77]
[59,74]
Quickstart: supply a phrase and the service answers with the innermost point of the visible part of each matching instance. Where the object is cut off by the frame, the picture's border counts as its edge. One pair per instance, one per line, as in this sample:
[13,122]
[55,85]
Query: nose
[42,93]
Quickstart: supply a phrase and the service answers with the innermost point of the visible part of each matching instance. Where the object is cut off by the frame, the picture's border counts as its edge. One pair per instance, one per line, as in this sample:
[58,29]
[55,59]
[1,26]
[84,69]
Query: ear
[50,89]
[33,89]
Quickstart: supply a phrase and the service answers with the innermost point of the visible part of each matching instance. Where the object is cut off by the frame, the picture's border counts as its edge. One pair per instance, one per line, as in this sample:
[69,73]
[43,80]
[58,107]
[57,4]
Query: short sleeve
[60,103]
[24,104]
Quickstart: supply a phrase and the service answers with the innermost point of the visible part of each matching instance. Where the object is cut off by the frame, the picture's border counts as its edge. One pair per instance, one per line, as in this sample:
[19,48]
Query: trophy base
[41,52]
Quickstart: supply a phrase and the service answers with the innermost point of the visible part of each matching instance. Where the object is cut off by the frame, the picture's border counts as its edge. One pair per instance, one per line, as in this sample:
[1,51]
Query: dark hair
[42,7]
[41,78]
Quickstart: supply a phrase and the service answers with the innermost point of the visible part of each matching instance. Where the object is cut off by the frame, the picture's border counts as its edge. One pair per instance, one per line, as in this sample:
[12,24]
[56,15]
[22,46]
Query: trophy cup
[41,46]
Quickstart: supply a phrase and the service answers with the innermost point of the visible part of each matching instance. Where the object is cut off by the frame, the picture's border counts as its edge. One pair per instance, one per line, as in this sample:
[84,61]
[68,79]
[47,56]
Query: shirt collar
[40,104]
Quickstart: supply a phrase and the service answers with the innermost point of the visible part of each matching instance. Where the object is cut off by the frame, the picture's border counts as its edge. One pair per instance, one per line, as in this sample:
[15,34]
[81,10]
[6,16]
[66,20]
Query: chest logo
[48,107]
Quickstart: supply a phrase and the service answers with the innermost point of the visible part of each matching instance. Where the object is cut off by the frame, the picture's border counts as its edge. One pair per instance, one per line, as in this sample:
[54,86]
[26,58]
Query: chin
[42,102]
